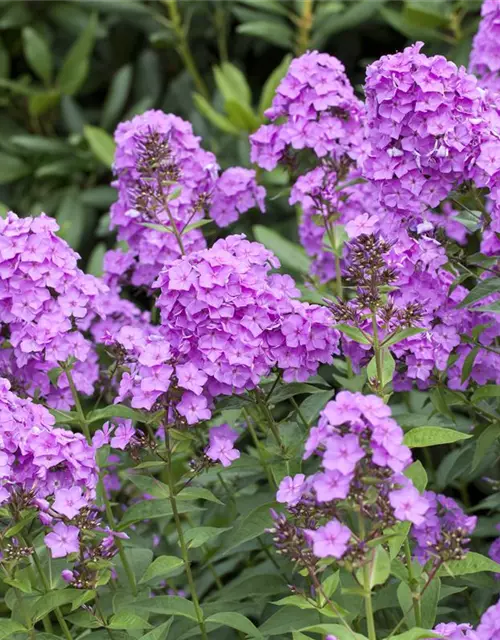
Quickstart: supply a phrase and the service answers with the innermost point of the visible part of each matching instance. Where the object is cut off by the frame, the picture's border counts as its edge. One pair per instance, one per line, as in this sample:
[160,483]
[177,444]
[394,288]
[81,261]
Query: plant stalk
[182,542]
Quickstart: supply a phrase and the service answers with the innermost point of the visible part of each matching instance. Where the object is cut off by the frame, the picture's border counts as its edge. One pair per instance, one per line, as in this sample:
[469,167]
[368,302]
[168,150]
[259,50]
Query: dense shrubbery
[245,436]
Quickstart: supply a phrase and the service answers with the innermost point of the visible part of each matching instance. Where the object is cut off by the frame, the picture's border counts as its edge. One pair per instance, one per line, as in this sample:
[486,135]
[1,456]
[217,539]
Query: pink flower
[68,502]
[408,504]
[123,435]
[330,540]
[291,489]
[342,453]
[194,408]
[362,224]
[62,540]
[331,485]
[222,450]
[190,377]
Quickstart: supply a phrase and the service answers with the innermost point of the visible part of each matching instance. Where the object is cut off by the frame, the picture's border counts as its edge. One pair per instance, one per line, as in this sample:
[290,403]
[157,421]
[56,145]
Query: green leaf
[405,600]
[101,143]
[43,101]
[76,64]
[236,621]
[198,493]
[402,335]
[117,411]
[291,255]
[472,563]
[198,536]
[338,630]
[354,14]
[196,225]
[468,364]
[380,569]
[37,54]
[484,443]
[53,599]
[241,115]
[248,527]
[8,627]
[150,485]
[429,603]
[150,509]
[315,403]
[415,634]
[400,530]
[417,474]
[354,333]
[168,606]
[127,620]
[159,632]
[277,33]
[407,27]
[480,291]
[329,586]
[232,83]
[162,567]
[486,391]
[431,436]
[388,367]
[12,168]
[213,116]
[95,263]
[273,6]
[85,619]
[271,84]
[116,97]
[288,619]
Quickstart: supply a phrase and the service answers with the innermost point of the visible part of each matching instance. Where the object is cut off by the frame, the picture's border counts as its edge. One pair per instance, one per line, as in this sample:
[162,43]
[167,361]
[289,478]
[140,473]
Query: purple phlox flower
[68,502]
[63,540]
[291,489]
[332,539]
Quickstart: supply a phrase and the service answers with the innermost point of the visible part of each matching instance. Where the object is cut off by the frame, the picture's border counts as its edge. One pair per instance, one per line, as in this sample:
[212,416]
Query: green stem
[183,47]
[330,230]
[221,27]
[121,551]
[378,355]
[370,621]
[78,405]
[413,584]
[260,453]
[182,542]
[305,24]
[109,512]
[46,586]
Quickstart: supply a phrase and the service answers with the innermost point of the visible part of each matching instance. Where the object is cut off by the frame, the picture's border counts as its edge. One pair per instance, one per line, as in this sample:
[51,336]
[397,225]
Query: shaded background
[70,71]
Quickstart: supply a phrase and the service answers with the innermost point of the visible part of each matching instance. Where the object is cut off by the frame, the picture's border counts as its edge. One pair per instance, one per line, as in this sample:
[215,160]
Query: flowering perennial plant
[189,447]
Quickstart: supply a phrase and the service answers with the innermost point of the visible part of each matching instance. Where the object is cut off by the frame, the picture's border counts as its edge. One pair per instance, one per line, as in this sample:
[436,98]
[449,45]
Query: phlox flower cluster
[494,551]
[489,625]
[145,357]
[325,203]
[418,274]
[359,445]
[484,61]
[45,300]
[165,177]
[43,466]
[229,321]
[314,108]
[454,631]
[445,531]
[221,447]
[426,124]
[236,191]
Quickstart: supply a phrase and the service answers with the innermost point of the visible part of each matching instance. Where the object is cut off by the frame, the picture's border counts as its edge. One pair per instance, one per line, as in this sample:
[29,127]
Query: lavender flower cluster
[41,466]
[360,447]
[229,321]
